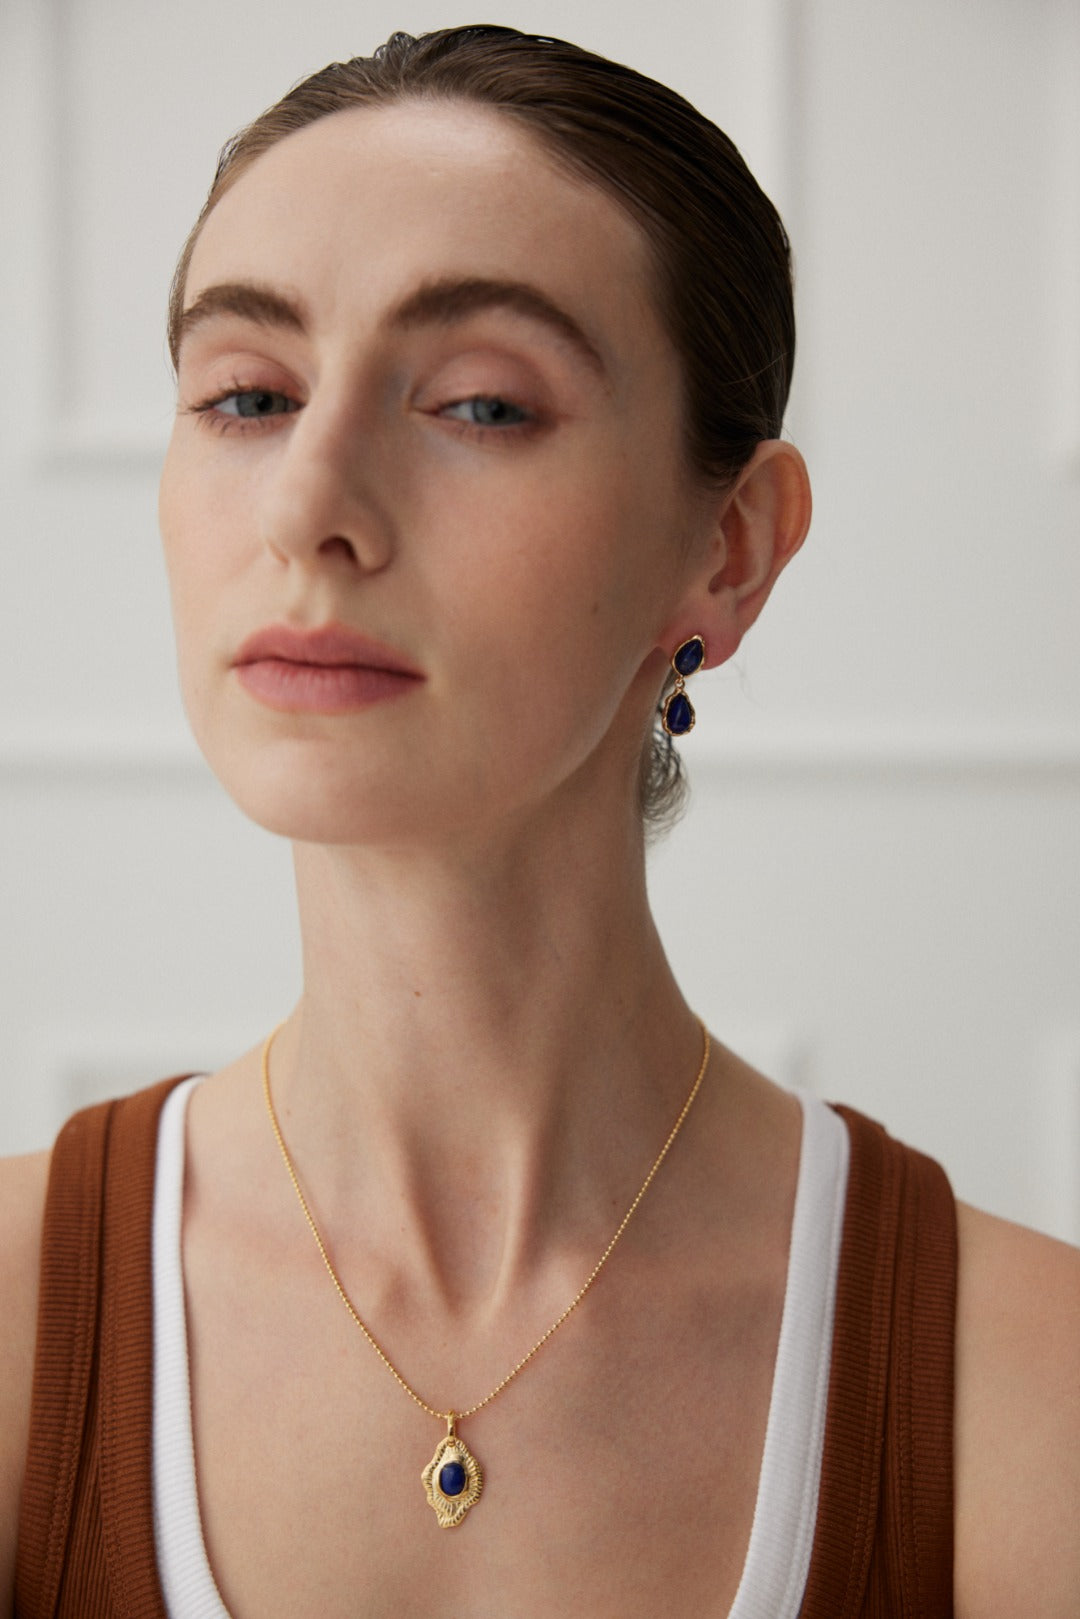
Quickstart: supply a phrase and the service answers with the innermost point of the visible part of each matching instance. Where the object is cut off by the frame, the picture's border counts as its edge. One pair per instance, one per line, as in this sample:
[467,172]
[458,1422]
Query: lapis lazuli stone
[452,1478]
[690,656]
[678,715]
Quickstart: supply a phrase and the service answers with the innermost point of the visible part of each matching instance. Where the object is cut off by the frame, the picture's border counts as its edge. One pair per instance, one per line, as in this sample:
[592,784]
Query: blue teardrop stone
[452,1478]
[690,656]
[678,714]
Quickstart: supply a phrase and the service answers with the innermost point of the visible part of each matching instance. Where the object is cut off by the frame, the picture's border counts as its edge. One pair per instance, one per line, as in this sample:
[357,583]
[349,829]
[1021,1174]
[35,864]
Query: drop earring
[677,715]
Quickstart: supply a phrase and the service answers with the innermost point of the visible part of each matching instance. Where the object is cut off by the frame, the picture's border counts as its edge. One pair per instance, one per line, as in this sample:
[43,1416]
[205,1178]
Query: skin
[490,1046]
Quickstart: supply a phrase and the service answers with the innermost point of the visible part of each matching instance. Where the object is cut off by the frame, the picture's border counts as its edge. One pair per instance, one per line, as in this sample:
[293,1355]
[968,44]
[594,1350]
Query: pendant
[452,1479]
[678,716]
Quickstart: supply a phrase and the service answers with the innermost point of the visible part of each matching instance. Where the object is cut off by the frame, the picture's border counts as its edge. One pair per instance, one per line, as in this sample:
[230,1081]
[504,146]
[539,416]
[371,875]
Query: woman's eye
[240,410]
[485,411]
[253,402]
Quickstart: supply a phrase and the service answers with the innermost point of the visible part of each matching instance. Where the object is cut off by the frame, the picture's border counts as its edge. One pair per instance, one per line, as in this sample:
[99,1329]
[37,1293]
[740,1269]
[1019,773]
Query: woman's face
[376,432]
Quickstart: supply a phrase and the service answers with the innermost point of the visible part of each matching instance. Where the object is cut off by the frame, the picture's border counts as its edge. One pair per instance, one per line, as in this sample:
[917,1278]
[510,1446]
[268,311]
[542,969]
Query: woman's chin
[311,800]
[300,811]
[314,786]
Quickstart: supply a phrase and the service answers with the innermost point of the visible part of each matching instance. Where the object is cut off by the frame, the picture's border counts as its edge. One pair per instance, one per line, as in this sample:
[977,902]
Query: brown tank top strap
[883,1546]
[127,1358]
[66,1349]
[86,1531]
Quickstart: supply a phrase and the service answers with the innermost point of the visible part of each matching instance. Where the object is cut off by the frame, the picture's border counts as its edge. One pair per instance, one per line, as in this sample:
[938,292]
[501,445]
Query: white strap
[781,1540]
[187,1582]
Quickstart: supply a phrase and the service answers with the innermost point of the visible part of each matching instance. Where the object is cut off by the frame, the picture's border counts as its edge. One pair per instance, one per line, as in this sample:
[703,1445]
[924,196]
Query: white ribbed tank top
[778,1556]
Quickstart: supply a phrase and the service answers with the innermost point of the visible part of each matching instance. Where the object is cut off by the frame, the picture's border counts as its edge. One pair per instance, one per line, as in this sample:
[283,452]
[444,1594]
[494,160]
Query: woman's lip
[320,688]
[328,646]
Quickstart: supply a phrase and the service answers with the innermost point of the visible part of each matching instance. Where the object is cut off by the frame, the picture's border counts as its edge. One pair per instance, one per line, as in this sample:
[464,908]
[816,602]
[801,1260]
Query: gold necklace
[452,1479]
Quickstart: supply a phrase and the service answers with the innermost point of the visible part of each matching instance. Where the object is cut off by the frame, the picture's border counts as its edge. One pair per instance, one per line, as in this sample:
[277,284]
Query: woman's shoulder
[1017,1421]
[23,1184]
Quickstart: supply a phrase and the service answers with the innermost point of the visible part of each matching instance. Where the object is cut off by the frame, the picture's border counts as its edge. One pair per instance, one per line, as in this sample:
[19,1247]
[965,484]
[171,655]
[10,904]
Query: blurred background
[876,892]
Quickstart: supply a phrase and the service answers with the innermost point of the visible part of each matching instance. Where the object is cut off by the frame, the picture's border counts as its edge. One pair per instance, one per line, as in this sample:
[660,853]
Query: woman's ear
[759,525]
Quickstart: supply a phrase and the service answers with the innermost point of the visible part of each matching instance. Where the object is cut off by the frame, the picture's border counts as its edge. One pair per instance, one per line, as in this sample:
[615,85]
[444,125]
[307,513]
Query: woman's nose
[320,498]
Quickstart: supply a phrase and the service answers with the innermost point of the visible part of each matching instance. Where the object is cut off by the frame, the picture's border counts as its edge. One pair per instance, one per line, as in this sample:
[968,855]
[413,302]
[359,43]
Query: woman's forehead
[433,185]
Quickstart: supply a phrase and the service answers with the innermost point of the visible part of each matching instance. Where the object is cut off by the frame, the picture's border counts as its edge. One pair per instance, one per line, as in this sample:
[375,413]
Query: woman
[483,348]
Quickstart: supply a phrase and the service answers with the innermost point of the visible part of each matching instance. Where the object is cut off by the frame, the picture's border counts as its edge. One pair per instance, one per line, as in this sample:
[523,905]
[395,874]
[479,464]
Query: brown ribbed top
[883,1546]
[883,1542]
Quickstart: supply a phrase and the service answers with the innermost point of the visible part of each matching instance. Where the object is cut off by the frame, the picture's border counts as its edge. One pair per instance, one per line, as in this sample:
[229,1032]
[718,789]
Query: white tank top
[778,1556]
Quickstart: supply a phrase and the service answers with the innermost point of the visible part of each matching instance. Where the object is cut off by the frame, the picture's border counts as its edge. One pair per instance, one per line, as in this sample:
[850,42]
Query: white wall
[876,891]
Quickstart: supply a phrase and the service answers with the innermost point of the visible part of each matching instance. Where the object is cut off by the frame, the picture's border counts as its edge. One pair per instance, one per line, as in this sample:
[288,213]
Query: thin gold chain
[450,1416]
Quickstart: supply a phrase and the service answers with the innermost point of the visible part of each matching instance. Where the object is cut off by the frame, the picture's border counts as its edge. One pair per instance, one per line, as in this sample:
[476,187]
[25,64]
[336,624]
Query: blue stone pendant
[678,715]
[452,1479]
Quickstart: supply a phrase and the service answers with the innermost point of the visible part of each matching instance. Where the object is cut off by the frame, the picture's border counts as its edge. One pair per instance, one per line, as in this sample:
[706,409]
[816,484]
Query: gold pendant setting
[452,1479]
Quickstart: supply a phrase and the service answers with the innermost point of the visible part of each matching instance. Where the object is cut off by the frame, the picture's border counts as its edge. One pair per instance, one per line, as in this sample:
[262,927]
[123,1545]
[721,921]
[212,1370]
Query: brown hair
[721,257]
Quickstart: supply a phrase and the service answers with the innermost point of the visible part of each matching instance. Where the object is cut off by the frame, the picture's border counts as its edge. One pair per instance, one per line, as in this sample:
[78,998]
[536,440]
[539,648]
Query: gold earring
[677,716]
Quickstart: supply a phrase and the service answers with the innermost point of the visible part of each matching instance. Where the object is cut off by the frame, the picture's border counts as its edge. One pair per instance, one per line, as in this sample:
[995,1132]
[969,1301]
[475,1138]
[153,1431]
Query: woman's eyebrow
[249,300]
[451,299]
[442,302]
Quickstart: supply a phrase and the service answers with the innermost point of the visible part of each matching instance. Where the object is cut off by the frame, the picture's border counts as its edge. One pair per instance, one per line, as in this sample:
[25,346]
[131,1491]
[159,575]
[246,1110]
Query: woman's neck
[488,1053]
